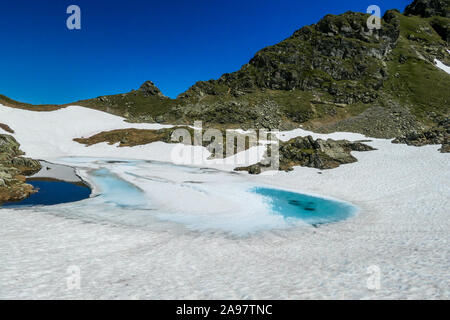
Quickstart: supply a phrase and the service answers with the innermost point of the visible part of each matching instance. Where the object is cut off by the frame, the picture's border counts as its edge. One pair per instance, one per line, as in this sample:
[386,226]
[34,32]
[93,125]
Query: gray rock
[429,8]
[307,152]
[12,169]
[150,89]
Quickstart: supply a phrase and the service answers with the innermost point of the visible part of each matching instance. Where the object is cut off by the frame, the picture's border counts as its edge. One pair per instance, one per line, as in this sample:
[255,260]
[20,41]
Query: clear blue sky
[124,43]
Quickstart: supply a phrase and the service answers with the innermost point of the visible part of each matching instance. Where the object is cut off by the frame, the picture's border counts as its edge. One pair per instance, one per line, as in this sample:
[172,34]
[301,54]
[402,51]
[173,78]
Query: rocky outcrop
[433,8]
[378,122]
[6,128]
[9,147]
[429,8]
[327,55]
[150,89]
[307,152]
[260,113]
[436,135]
[13,169]
[138,137]
[129,137]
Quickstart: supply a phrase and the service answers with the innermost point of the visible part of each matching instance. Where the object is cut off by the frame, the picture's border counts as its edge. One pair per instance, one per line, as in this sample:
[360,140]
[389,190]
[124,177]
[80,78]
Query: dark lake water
[51,193]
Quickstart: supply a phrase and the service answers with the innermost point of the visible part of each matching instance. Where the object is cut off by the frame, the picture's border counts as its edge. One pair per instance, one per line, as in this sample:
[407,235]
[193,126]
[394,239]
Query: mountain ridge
[335,75]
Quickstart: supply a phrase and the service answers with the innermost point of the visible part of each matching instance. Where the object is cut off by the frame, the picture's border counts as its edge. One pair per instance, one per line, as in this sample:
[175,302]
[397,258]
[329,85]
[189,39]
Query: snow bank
[47,135]
[442,66]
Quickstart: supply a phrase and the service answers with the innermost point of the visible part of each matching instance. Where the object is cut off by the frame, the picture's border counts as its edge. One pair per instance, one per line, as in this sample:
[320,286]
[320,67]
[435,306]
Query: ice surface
[117,191]
[58,172]
[199,199]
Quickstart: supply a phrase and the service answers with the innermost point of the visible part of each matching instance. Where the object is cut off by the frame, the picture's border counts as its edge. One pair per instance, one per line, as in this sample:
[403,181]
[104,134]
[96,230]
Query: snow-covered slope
[402,229]
[49,135]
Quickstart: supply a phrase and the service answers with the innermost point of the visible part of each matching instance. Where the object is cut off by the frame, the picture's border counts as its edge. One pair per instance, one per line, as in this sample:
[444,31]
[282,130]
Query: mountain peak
[429,8]
[148,88]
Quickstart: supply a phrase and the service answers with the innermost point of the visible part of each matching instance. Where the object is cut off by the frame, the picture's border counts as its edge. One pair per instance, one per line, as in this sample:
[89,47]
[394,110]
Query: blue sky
[124,43]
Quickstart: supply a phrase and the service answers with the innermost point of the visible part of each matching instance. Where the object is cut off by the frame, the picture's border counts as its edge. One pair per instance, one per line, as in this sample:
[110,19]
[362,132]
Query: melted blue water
[117,191]
[312,210]
[51,193]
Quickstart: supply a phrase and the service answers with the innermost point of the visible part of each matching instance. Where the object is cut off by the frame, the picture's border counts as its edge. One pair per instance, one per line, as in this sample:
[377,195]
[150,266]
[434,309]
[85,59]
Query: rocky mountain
[13,169]
[336,75]
[429,8]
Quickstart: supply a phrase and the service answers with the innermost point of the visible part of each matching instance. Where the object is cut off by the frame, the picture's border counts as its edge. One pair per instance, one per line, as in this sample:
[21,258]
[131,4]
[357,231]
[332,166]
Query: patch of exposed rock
[339,55]
[13,169]
[6,128]
[436,135]
[429,8]
[307,152]
[137,137]
[257,114]
[150,89]
[378,122]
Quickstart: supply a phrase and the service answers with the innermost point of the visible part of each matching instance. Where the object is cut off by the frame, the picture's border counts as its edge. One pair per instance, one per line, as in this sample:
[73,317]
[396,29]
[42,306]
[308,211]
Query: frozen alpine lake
[146,193]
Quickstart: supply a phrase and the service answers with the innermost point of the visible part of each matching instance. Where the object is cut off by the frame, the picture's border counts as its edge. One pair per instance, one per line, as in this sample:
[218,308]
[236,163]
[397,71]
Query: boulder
[307,152]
